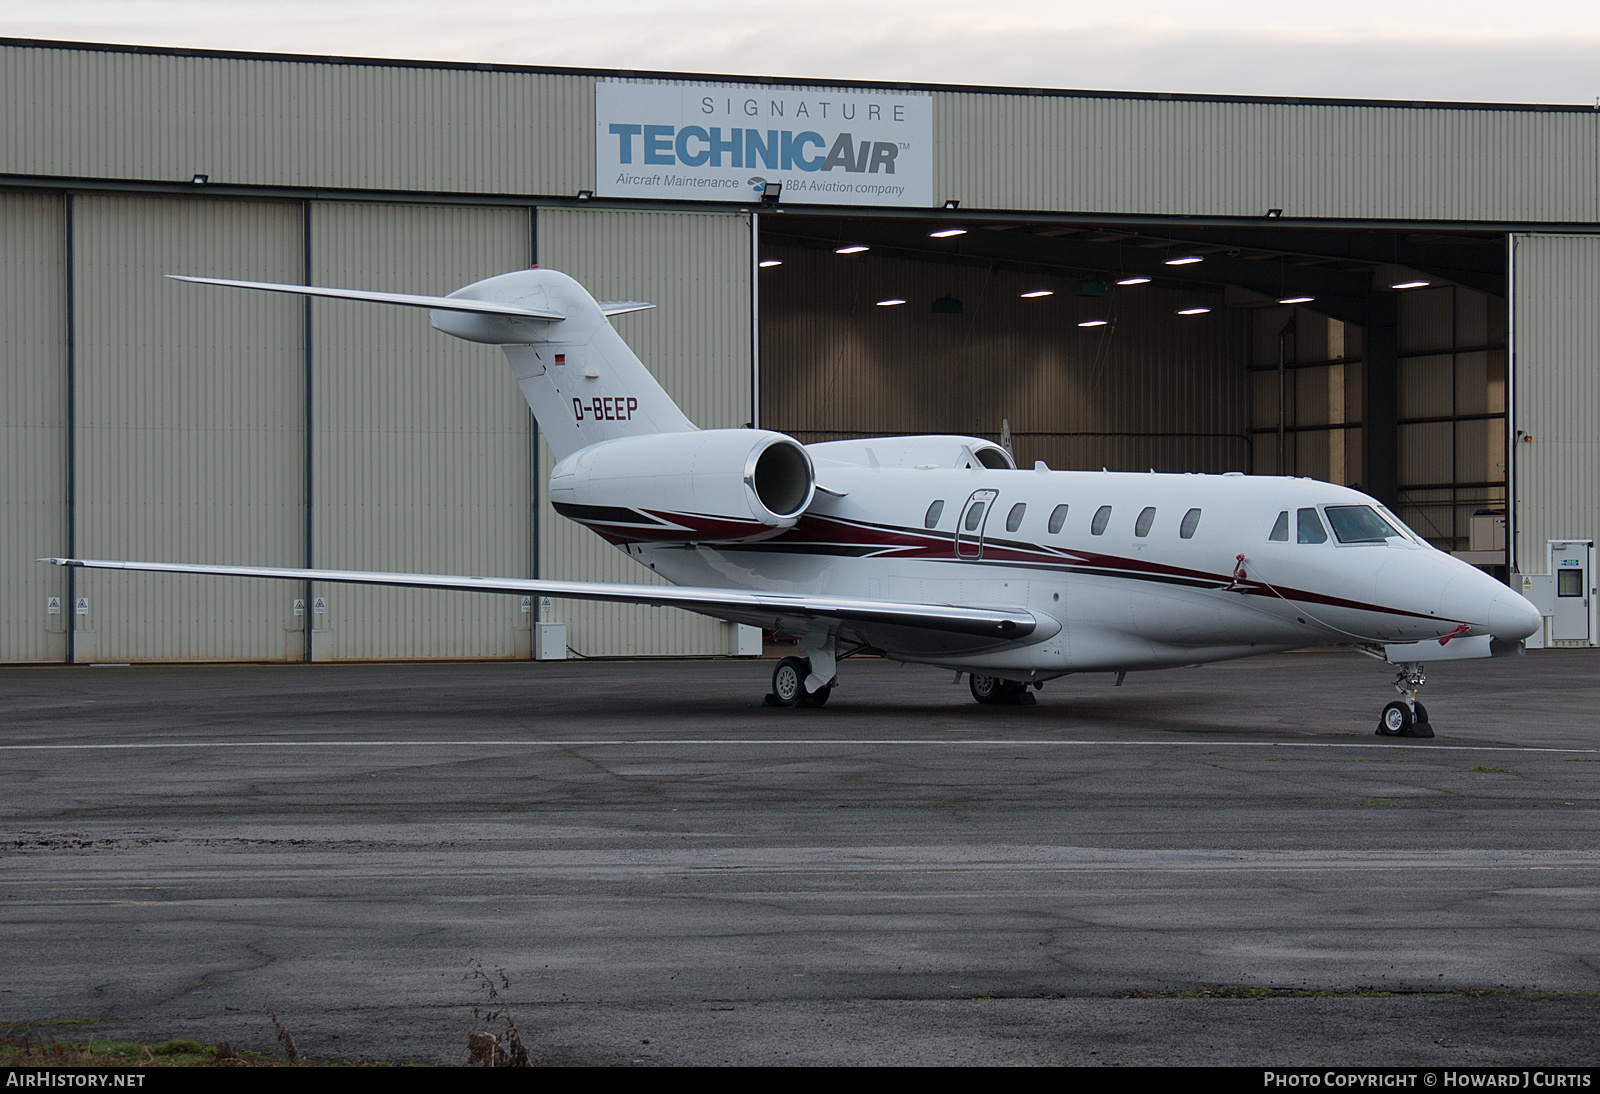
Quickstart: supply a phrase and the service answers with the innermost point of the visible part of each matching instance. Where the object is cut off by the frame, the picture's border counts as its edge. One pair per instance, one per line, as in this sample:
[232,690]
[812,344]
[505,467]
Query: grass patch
[24,1045]
[31,1050]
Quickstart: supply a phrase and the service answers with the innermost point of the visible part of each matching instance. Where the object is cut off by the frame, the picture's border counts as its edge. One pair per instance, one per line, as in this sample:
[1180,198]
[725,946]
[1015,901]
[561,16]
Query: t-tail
[582,382]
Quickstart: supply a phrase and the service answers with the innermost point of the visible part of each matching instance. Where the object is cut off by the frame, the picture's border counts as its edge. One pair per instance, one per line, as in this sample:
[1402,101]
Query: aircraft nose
[1512,618]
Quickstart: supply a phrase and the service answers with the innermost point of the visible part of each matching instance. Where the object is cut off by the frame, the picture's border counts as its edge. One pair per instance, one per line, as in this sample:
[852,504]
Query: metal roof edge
[793,81]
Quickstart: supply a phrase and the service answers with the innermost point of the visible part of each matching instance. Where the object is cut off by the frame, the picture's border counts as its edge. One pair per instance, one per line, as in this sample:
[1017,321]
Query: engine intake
[705,486]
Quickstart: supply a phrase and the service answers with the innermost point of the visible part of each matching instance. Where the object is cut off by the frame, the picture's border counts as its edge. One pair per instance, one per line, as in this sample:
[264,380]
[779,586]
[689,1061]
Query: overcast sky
[1533,51]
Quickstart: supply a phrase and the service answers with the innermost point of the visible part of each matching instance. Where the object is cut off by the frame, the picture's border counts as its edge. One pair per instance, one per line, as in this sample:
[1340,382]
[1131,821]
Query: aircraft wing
[942,626]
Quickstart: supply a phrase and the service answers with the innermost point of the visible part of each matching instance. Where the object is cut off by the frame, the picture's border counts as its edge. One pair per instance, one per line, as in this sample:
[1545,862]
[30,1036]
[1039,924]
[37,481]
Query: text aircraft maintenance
[937,550]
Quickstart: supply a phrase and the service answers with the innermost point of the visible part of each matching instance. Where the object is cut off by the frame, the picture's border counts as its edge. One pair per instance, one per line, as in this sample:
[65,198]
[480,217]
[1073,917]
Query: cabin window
[934,512]
[1191,521]
[974,516]
[1102,517]
[1014,518]
[1359,524]
[1280,530]
[1147,517]
[1058,517]
[1309,527]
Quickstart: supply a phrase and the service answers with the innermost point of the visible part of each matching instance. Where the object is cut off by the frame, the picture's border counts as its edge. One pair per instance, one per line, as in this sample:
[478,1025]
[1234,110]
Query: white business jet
[938,550]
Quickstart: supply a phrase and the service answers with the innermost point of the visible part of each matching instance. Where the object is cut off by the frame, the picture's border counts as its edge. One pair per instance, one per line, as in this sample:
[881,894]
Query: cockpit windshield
[1360,524]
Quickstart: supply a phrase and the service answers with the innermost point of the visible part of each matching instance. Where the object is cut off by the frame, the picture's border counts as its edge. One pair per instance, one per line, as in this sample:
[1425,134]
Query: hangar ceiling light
[1297,300]
[1184,260]
[1411,285]
[891,302]
[767,263]
[851,249]
[1092,323]
[1036,293]
[1134,281]
[1193,311]
[946,233]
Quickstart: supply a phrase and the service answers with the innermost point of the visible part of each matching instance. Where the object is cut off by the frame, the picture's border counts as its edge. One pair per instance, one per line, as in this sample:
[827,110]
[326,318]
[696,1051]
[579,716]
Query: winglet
[622,307]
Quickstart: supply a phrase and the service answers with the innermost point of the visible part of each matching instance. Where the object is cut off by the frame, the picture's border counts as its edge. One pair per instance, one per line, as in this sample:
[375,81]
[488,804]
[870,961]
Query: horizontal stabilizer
[986,626]
[441,303]
[622,307]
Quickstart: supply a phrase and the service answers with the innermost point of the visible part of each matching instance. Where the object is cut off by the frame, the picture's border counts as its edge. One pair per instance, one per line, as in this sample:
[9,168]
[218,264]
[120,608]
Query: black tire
[986,689]
[1422,715]
[993,689]
[819,698]
[789,681]
[1395,720]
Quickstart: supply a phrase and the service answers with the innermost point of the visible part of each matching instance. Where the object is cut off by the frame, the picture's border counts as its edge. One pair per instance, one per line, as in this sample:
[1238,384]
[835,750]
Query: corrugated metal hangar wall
[147,418]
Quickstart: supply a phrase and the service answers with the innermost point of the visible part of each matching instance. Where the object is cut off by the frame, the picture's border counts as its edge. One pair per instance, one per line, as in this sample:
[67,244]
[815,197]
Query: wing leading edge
[980,627]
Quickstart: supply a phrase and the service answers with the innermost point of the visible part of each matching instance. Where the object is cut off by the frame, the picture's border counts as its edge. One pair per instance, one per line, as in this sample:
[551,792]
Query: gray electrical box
[550,641]
[745,640]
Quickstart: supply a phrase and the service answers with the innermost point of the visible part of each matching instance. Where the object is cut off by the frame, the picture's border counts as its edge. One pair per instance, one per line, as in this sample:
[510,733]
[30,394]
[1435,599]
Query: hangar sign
[724,142]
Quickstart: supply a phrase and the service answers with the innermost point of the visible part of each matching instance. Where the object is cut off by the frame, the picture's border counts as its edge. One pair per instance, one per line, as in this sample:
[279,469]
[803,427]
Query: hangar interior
[1140,346]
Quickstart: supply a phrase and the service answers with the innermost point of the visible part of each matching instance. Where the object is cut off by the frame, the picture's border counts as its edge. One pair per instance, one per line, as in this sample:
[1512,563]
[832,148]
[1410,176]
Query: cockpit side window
[1309,527]
[1280,530]
[1359,524]
[934,511]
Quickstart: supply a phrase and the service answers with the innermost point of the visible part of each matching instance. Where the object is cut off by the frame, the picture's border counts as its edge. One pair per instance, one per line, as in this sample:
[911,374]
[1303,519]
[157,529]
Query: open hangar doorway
[1370,358]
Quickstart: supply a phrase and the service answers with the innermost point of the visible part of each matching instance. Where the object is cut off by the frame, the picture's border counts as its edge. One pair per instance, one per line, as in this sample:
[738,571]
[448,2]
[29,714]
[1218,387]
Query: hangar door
[695,267]
[1556,393]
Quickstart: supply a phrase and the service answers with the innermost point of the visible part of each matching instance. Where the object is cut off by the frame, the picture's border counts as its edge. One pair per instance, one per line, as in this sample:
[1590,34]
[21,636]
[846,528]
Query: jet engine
[704,486]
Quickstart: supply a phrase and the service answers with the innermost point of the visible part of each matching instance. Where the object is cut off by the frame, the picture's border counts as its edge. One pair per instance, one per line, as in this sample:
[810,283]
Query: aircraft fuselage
[1115,568]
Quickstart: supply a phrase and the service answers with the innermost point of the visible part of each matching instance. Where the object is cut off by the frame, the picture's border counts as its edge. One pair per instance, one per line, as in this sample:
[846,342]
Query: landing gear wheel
[986,689]
[789,681]
[1396,720]
[789,685]
[993,689]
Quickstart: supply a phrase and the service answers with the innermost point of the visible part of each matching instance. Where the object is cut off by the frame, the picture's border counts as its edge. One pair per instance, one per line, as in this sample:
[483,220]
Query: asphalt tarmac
[1207,866]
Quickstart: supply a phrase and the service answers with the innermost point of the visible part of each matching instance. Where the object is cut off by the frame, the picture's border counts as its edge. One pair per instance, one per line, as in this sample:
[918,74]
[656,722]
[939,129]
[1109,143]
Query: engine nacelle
[705,486]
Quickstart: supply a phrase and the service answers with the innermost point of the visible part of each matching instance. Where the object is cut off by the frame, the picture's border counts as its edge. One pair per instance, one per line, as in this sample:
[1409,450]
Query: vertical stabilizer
[581,380]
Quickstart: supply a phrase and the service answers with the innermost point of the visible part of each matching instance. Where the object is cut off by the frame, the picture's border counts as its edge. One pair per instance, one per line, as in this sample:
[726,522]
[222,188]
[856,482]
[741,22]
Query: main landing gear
[993,689]
[1407,717]
[789,685]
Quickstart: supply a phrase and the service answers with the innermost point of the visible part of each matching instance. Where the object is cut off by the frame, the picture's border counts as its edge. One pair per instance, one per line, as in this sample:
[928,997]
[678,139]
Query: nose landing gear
[1407,717]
